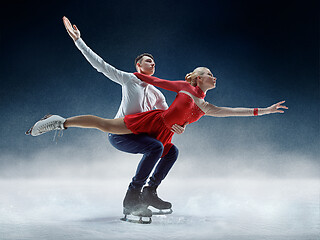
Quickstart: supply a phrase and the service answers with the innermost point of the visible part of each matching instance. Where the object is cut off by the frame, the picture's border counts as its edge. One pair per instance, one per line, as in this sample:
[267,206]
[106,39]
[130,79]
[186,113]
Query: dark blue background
[260,51]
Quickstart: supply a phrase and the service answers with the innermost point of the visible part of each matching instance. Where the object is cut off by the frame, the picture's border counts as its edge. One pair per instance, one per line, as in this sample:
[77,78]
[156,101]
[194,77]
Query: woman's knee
[104,125]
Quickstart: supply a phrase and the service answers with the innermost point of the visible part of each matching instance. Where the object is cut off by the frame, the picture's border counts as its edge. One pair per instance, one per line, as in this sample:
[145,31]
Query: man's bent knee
[155,147]
[173,152]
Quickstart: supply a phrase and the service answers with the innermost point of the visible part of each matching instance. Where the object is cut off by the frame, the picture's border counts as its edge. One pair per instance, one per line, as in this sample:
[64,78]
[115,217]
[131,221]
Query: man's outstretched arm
[95,60]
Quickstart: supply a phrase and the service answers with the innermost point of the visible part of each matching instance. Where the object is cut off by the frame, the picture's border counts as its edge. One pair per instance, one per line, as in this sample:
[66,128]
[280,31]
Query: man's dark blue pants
[152,150]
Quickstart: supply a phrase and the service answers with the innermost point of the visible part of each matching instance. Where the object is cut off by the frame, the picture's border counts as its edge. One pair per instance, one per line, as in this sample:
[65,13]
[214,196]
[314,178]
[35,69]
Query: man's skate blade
[139,220]
[163,212]
[138,213]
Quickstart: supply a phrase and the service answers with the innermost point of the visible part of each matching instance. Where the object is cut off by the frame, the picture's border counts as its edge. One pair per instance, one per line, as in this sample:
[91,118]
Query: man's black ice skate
[150,198]
[133,205]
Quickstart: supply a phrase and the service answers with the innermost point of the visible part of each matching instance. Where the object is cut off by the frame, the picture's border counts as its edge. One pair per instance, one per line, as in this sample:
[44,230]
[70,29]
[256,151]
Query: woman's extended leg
[115,126]
[55,122]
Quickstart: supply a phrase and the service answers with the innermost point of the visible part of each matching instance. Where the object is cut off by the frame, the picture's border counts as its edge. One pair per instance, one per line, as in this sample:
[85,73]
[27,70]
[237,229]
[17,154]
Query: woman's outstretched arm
[243,112]
[174,86]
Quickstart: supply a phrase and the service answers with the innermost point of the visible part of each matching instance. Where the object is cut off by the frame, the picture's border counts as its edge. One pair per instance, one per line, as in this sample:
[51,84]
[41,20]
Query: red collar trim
[200,93]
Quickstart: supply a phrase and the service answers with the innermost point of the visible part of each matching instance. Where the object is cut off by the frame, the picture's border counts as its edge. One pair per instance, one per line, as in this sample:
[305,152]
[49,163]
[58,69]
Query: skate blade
[29,131]
[139,221]
[162,212]
[137,213]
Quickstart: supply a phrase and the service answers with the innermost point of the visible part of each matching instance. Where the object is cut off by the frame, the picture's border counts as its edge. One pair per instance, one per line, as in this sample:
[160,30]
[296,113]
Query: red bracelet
[255,112]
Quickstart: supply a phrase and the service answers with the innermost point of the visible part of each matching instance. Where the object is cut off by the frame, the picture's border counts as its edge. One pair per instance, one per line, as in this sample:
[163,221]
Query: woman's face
[147,65]
[207,80]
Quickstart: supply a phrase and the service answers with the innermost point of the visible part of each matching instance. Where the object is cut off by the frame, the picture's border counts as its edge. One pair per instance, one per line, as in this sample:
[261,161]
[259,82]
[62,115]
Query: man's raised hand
[73,31]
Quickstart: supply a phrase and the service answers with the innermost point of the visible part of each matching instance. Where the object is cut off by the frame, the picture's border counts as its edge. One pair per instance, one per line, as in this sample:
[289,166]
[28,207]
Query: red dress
[187,107]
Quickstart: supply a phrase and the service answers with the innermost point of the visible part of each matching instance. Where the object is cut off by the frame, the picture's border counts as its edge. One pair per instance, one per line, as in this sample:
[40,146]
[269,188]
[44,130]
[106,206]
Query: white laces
[55,125]
[50,126]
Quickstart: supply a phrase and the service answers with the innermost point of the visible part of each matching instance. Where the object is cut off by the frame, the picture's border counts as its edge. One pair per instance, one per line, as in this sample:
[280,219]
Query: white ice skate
[46,124]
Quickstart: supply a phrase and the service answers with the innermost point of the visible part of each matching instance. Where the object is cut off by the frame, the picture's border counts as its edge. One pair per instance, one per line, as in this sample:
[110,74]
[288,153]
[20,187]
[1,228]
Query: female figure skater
[188,107]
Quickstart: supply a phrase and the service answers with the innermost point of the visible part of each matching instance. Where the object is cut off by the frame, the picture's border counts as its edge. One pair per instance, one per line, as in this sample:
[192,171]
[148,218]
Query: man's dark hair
[138,59]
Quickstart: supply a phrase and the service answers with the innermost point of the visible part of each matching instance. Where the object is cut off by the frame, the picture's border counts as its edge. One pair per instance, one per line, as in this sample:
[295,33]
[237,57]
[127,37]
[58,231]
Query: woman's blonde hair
[192,76]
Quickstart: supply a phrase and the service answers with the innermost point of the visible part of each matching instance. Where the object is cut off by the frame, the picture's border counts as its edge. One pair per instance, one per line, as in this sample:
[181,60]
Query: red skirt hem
[151,123]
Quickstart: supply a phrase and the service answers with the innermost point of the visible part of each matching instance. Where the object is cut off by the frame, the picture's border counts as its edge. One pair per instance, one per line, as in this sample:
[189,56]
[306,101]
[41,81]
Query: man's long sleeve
[100,65]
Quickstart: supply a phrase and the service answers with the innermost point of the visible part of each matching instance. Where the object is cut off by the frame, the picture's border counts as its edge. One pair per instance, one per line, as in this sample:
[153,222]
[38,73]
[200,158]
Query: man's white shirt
[137,96]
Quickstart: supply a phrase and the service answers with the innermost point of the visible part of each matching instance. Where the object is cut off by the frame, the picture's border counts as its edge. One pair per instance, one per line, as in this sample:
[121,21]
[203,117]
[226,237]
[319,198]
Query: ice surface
[208,208]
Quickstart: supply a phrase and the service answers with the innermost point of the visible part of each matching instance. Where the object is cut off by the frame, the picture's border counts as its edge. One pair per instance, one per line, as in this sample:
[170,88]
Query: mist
[94,157]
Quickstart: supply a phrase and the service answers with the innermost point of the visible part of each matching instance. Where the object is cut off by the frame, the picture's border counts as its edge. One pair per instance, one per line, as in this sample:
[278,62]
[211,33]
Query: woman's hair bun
[188,77]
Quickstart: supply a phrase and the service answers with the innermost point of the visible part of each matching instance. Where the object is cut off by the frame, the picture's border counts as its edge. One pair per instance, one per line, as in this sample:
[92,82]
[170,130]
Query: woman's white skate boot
[46,124]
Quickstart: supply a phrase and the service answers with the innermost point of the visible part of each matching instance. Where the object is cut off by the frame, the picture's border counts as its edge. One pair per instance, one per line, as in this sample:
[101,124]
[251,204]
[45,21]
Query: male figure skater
[137,96]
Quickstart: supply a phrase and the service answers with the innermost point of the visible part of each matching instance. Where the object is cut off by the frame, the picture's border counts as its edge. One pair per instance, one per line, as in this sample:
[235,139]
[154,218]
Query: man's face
[146,66]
